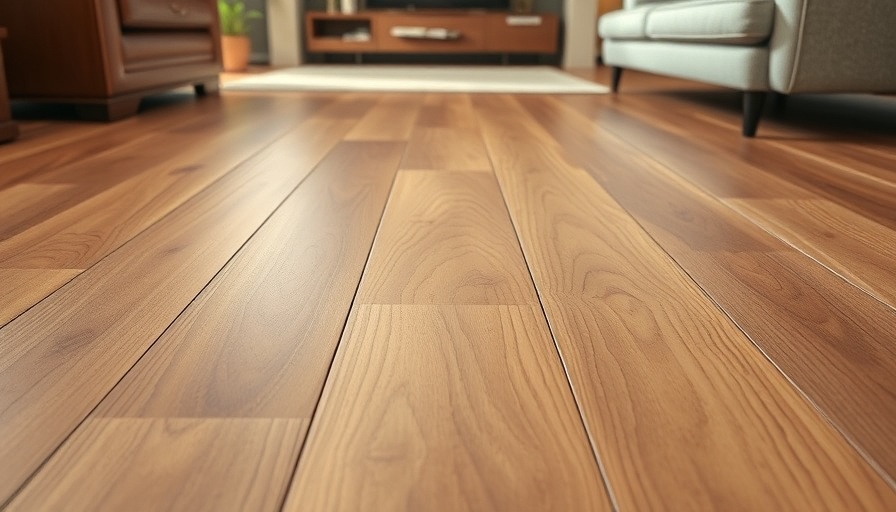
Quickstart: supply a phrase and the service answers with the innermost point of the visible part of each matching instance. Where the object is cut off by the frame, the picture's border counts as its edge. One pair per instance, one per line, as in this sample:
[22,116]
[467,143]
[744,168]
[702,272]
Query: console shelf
[464,32]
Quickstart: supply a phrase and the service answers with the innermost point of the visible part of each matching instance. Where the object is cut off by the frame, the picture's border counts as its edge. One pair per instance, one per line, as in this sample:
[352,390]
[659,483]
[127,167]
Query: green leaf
[234,17]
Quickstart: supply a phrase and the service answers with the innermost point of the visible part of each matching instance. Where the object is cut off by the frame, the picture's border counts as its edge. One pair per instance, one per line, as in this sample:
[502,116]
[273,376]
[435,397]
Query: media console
[431,32]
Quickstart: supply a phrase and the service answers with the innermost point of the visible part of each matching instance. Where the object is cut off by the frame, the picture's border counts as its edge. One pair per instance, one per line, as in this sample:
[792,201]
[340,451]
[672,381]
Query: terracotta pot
[235,52]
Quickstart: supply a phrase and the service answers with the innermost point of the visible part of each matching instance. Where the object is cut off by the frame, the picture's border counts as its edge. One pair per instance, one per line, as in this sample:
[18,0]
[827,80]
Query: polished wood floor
[318,302]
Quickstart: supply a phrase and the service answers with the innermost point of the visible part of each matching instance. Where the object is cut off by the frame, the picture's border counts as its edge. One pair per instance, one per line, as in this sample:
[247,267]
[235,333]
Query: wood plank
[447,408]
[851,245]
[832,340]
[77,235]
[451,149]
[392,118]
[661,375]
[22,288]
[61,357]
[447,111]
[183,464]
[446,238]
[258,341]
[446,137]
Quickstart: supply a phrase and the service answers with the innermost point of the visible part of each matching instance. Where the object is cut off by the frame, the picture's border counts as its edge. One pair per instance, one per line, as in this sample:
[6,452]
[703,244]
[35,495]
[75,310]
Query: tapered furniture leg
[617,74]
[753,102]
[206,87]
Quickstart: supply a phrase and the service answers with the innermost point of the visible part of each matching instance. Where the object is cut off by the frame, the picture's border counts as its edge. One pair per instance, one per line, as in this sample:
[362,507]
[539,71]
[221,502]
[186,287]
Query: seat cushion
[624,24]
[712,21]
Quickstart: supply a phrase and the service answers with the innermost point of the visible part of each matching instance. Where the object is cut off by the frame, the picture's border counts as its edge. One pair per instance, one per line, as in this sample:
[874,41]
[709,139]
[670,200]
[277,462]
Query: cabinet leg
[110,110]
[8,130]
[207,87]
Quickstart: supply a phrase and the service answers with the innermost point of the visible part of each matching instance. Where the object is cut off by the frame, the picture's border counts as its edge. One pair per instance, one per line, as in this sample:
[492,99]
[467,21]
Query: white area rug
[488,79]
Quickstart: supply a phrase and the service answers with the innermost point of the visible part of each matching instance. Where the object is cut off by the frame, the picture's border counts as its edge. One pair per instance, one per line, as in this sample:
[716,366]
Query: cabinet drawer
[471,29]
[539,36]
[167,13]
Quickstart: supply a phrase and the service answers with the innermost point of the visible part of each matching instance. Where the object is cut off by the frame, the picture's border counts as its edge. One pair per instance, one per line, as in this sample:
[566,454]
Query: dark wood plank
[684,411]
[835,342]
[446,239]
[258,341]
[61,357]
[183,464]
[447,408]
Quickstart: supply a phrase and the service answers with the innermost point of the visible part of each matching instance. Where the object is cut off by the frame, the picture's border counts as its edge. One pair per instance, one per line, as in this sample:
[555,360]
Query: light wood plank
[184,464]
[446,136]
[61,357]
[860,250]
[447,111]
[258,341]
[392,118]
[450,149]
[685,413]
[446,238]
[447,408]
[22,288]
[833,340]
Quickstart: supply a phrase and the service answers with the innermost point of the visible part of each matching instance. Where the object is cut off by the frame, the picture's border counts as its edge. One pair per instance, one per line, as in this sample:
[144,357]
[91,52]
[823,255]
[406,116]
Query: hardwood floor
[450,302]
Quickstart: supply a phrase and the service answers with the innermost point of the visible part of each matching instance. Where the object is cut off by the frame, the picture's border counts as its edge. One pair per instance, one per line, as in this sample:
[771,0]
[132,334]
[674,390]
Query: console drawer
[186,14]
[471,28]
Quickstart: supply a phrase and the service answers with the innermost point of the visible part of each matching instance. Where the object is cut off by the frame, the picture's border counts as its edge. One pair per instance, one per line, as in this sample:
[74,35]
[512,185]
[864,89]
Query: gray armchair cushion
[739,22]
[624,24]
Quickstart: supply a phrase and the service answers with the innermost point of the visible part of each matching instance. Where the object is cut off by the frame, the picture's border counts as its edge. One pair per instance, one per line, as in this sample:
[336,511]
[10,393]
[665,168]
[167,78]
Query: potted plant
[235,44]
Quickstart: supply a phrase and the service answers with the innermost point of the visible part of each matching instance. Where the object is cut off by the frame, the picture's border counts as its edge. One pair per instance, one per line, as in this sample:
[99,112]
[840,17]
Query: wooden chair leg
[753,103]
[617,75]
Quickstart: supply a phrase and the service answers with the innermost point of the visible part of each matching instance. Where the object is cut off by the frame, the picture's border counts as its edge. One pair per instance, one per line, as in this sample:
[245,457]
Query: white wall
[581,33]
[284,32]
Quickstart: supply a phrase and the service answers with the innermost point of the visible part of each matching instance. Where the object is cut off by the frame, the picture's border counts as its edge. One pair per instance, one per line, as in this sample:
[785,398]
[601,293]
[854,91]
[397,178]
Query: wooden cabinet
[464,32]
[8,128]
[105,55]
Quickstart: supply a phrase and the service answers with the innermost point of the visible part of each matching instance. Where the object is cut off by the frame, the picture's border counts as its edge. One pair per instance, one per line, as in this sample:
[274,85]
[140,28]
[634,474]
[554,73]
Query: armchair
[757,46]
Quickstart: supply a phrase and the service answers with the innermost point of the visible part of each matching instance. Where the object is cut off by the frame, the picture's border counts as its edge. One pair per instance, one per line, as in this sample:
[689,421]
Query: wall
[258,32]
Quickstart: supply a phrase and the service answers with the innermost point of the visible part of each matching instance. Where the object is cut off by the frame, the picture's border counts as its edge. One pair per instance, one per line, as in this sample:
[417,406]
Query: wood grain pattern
[662,376]
[446,137]
[447,408]
[446,239]
[60,358]
[258,341]
[79,236]
[22,288]
[392,118]
[446,149]
[851,245]
[834,341]
[183,464]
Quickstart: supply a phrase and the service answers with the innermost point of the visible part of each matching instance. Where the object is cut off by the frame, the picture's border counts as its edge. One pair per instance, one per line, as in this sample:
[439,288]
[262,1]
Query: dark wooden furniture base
[472,32]
[8,128]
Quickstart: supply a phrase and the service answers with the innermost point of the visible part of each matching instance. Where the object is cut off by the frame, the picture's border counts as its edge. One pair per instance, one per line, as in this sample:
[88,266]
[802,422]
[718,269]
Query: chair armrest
[833,46]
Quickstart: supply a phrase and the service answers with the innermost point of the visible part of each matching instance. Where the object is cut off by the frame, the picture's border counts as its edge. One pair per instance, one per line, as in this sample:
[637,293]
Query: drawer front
[471,29]
[186,14]
[506,37]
